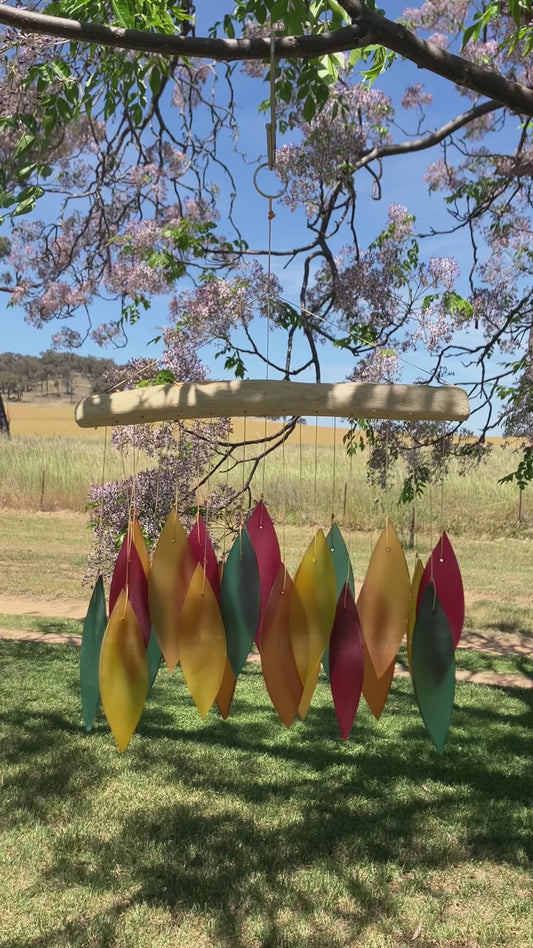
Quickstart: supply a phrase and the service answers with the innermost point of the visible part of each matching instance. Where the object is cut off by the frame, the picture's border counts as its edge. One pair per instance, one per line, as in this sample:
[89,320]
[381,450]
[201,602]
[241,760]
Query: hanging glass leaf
[204,554]
[226,690]
[346,660]
[383,603]
[153,657]
[308,692]
[265,542]
[129,571]
[433,667]
[343,571]
[171,572]
[140,545]
[202,642]
[91,644]
[376,690]
[123,673]
[313,604]
[279,670]
[443,570]
[418,572]
[240,600]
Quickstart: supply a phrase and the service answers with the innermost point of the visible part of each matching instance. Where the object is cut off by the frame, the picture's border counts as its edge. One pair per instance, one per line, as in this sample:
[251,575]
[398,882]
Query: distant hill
[51,376]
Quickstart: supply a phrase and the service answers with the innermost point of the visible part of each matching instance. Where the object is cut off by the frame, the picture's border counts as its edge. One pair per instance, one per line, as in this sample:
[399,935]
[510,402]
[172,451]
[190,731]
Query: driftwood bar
[187,400]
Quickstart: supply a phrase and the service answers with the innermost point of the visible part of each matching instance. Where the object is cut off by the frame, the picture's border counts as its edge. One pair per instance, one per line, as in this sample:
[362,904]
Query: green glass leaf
[433,667]
[153,657]
[343,572]
[240,600]
[91,645]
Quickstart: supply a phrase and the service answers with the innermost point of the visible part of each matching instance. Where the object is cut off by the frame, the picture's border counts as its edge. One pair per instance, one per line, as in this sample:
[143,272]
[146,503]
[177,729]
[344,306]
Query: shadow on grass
[243,821]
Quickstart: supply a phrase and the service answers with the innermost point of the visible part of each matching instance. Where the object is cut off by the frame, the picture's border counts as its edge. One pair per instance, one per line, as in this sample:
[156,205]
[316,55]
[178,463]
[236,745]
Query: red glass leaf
[279,670]
[266,545]
[346,661]
[129,571]
[443,570]
[204,554]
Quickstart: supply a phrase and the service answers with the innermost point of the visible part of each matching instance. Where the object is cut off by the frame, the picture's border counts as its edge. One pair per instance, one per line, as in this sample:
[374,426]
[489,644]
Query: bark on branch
[368,28]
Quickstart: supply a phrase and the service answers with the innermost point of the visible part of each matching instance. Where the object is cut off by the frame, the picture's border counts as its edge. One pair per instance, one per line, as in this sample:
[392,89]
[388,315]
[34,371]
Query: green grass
[42,624]
[241,834]
[43,555]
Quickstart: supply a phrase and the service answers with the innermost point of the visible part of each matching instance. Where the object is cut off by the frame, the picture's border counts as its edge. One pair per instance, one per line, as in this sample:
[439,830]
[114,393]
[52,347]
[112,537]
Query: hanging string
[315,518]
[284,506]
[334,471]
[241,524]
[101,505]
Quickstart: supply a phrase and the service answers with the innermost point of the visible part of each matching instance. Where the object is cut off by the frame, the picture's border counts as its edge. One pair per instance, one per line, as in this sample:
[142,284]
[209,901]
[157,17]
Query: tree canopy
[117,187]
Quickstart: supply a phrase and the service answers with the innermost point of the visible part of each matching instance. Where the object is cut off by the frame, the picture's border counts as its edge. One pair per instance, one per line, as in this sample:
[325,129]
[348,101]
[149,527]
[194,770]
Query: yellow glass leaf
[308,692]
[168,581]
[202,642]
[140,545]
[418,572]
[312,611]
[384,601]
[123,672]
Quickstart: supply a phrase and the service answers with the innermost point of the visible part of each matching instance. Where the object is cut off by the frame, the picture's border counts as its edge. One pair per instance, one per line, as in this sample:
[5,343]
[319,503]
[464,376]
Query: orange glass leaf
[312,610]
[140,545]
[226,690]
[279,670]
[123,673]
[168,581]
[202,642]
[384,600]
[376,690]
[418,572]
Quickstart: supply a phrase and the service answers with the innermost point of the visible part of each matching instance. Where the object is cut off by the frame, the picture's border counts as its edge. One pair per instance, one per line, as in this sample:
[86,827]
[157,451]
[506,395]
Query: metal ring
[264,194]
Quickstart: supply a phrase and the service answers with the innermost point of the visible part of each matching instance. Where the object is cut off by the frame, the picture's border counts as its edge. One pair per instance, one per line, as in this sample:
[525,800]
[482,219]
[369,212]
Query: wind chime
[184,607]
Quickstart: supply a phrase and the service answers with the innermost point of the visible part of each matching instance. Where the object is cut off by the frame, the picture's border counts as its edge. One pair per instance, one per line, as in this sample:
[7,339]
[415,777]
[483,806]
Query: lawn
[241,834]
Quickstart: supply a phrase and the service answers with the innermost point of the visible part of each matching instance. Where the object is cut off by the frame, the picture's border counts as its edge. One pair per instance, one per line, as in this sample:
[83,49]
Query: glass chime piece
[202,642]
[266,545]
[346,660]
[383,603]
[240,600]
[376,690]
[171,572]
[443,570]
[279,670]
[123,673]
[94,627]
[129,571]
[343,571]
[226,690]
[203,553]
[140,545]
[433,667]
[153,657]
[312,611]
[418,572]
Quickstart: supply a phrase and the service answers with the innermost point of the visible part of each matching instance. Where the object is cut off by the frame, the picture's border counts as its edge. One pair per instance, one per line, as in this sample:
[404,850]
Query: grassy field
[241,834]
[53,470]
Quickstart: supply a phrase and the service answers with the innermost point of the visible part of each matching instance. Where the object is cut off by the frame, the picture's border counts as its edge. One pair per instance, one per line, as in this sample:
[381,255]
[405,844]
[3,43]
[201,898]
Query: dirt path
[490,643]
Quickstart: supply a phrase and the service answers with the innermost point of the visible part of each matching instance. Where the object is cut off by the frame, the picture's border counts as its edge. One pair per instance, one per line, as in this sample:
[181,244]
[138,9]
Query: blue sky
[403,184]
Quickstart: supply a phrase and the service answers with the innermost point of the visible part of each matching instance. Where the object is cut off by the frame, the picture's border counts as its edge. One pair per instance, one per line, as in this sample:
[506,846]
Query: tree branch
[367,28]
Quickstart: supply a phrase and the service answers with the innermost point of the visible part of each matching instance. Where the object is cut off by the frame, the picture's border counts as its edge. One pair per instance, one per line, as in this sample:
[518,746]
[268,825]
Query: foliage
[132,149]
[20,374]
